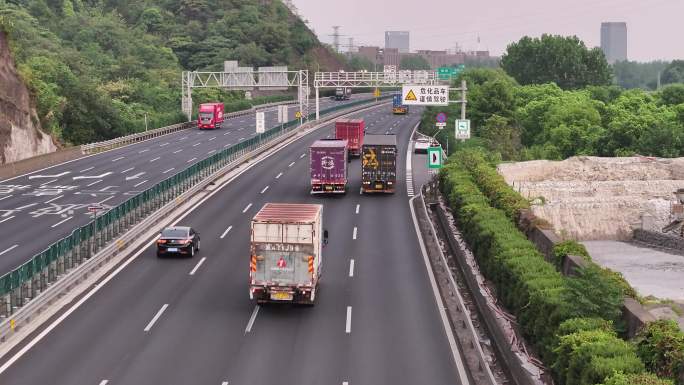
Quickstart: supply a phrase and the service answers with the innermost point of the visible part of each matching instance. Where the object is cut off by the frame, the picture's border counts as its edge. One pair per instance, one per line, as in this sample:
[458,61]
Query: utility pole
[351,45]
[145,120]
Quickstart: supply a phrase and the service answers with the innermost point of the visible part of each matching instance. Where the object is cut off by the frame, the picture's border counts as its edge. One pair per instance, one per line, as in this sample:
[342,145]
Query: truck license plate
[281,296]
[328,188]
[172,249]
[378,185]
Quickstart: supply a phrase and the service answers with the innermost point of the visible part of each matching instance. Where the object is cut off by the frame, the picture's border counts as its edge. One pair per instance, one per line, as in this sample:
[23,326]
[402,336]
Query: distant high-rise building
[398,40]
[614,41]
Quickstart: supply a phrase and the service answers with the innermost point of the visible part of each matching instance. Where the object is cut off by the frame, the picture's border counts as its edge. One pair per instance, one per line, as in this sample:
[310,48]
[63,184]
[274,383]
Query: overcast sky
[655,28]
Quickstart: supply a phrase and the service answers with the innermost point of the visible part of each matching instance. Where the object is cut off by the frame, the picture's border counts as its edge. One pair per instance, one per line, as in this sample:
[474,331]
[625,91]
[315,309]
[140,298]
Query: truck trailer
[379,164]
[397,107]
[352,130]
[342,93]
[286,253]
[210,116]
[328,163]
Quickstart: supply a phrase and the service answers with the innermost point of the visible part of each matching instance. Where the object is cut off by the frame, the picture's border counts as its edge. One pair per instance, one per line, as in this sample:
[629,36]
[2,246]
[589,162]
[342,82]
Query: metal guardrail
[21,285]
[92,148]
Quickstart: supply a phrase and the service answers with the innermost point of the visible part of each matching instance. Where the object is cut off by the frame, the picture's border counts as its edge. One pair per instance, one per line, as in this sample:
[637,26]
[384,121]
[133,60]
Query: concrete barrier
[27,165]
[660,240]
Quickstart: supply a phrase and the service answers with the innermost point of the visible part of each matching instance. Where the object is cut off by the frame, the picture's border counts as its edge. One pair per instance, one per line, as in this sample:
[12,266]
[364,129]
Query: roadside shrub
[574,325]
[589,357]
[636,379]
[660,344]
[563,249]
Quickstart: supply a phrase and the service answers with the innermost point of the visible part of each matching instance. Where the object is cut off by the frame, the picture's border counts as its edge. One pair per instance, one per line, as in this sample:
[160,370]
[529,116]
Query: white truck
[286,253]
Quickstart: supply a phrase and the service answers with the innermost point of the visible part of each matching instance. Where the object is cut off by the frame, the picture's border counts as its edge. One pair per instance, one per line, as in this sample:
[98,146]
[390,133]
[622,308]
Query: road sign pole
[317,105]
[463,99]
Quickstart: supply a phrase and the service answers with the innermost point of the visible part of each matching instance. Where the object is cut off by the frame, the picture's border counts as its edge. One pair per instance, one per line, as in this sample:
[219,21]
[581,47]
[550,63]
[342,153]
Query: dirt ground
[592,198]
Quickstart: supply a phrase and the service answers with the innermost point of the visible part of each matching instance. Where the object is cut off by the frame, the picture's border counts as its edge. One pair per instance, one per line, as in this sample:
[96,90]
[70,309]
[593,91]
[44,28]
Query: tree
[502,137]
[672,94]
[414,63]
[358,63]
[631,74]
[565,61]
[673,73]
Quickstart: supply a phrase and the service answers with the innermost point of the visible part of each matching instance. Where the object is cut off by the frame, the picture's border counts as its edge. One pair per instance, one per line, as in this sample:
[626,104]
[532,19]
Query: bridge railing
[19,286]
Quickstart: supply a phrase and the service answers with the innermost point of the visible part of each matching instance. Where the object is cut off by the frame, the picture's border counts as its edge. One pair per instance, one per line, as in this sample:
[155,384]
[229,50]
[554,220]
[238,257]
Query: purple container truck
[328,160]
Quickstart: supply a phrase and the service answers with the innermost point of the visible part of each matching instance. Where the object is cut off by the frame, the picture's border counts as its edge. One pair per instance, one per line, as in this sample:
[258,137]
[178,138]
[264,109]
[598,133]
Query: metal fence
[92,148]
[34,276]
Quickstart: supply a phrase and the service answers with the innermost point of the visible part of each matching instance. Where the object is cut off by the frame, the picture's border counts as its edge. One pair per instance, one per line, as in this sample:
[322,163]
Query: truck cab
[210,116]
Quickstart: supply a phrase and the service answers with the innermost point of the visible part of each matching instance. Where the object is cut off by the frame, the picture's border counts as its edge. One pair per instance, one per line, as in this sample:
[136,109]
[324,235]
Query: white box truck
[286,253]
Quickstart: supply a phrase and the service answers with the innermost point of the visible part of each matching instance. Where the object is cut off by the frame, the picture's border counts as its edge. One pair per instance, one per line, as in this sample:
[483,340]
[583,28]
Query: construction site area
[603,203]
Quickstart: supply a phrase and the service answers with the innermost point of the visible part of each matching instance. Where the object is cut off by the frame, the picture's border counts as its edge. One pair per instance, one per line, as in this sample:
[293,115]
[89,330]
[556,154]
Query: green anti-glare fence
[28,280]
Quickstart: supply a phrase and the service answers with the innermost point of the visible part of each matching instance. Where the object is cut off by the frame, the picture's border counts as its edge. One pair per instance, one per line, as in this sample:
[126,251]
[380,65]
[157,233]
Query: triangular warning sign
[411,96]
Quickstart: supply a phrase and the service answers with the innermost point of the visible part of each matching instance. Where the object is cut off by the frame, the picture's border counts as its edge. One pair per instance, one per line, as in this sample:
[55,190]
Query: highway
[190,321]
[49,204]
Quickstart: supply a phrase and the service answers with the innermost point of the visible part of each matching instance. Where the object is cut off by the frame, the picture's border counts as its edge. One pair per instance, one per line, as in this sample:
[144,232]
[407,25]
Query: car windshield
[174,233]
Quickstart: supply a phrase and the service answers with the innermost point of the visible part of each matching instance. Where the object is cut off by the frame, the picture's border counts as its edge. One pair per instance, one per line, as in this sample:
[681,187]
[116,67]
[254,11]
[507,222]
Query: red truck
[328,161]
[352,130]
[210,116]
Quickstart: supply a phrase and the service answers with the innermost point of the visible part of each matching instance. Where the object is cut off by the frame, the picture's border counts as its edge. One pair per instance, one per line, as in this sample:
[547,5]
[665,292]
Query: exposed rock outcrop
[20,133]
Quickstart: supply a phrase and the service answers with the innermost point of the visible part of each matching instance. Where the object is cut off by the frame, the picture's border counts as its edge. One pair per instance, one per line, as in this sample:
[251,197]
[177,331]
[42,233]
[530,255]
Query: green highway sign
[446,73]
[435,157]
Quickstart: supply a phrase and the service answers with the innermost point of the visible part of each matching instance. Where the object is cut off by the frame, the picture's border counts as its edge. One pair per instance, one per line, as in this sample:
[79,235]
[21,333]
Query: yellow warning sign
[411,96]
[298,114]
[376,93]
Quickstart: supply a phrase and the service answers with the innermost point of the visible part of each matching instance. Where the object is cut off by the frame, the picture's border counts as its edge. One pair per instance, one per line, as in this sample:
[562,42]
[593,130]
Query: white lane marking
[169,170]
[351,268]
[155,159]
[145,150]
[140,183]
[94,183]
[241,139]
[164,144]
[6,196]
[7,219]
[183,138]
[156,317]
[60,222]
[226,145]
[92,176]
[196,144]
[54,199]
[49,176]
[104,382]
[345,383]
[127,170]
[224,383]
[227,133]
[264,190]
[347,326]
[210,139]
[241,128]
[201,261]
[252,319]
[107,188]
[118,159]
[177,151]
[87,169]
[354,236]
[279,175]
[106,199]
[211,152]
[361,191]
[9,249]
[358,206]
[301,156]
[226,232]
[48,182]
[192,160]
[291,164]
[246,208]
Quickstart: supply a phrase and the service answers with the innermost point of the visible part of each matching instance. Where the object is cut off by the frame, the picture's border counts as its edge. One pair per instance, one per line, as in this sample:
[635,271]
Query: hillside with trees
[95,68]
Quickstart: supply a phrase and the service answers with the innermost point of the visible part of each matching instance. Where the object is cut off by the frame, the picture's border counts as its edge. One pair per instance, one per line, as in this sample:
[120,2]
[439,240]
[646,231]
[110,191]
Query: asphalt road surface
[190,321]
[42,207]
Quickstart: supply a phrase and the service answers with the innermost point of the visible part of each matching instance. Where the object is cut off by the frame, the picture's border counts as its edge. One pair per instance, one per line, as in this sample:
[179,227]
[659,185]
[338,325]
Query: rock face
[20,134]
[591,198]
